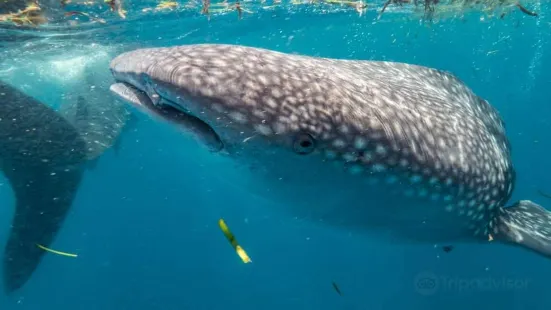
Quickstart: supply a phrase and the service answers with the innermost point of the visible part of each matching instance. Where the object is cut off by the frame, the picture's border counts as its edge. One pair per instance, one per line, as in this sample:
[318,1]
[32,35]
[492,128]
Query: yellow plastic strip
[238,249]
[56,252]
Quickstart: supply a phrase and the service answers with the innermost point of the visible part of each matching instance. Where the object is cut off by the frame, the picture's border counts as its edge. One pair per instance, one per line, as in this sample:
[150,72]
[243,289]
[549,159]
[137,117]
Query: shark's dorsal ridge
[41,156]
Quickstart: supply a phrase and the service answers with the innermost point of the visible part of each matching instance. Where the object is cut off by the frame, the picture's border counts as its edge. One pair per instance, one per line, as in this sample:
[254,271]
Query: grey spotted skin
[42,156]
[389,147]
[99,118]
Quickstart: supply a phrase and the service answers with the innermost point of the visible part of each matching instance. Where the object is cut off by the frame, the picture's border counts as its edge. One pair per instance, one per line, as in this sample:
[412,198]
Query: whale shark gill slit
[41,155]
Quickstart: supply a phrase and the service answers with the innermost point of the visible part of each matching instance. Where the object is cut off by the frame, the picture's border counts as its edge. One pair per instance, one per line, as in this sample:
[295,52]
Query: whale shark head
[376,144]
[234,98]
[263,111]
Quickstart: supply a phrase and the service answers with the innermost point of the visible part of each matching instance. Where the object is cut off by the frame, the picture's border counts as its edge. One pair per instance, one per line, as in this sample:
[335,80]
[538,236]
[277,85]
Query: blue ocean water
[145,220]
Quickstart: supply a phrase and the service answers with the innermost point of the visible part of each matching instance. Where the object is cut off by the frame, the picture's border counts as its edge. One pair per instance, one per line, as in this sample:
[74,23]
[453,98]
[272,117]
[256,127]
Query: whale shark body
[70,133]
[403,151]
[41,154]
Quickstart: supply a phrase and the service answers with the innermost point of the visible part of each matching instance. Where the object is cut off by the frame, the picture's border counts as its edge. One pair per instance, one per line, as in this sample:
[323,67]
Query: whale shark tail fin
[41,154]
[42,203]
[526,224]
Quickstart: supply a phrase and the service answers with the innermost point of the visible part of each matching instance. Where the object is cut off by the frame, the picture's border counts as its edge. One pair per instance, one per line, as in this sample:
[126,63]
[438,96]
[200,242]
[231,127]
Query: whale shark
[401,151]
[100,119]
[41,154]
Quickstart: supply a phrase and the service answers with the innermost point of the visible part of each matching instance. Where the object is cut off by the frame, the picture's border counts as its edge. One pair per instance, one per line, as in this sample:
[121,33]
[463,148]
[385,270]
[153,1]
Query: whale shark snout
[404,149]
[41,154]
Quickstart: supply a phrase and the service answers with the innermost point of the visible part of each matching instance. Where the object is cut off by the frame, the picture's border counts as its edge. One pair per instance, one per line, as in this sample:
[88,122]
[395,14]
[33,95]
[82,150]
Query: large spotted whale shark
[42,156]
[404,151]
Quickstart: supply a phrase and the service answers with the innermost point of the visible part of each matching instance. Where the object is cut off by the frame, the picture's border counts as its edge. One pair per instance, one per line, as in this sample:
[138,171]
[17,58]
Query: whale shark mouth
[171,112]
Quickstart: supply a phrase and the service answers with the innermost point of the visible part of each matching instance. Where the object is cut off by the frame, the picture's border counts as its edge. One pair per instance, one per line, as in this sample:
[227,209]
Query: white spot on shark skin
[378,168]
[343,129]
[381,150]
[271,102]
[360,143]
[349,157]
[339,143]
[279,128]
[218,108]
[263,129]
[367,157]
[276,92]
[391,161]
[262,79]
[238,117]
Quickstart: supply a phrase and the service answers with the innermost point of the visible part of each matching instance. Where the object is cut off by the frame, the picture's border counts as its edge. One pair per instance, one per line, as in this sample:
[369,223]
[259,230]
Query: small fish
[448,248]
[336,287]
[526,11]
[544,194]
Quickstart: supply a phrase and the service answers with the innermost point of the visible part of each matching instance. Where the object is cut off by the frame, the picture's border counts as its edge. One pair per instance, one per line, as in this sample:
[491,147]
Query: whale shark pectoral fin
[130,123]
[42,203]
[526,224]
[82,112]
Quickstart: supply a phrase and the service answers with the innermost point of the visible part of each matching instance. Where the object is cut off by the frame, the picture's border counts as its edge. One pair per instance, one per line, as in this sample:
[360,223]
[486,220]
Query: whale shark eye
[304,144]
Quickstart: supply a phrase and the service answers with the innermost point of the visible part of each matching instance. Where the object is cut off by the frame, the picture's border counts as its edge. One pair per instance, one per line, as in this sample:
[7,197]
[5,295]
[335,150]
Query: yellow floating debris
[238,249]
[56,252]
[31,15]
[163,5]
[167,5]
